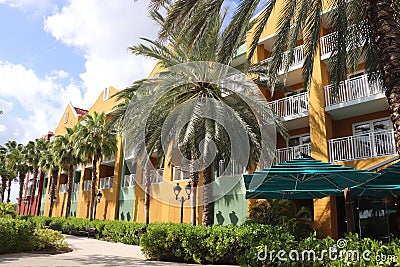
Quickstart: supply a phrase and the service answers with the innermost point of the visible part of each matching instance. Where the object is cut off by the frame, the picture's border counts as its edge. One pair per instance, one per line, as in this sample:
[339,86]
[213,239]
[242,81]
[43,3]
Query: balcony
[106,182]
[75,187]
[129,180]
[289,153]
[292,108]
[294,70]
[354,97]
[363,146]
[328,43]
[109,161]
[156,176]
[235,169]
[62,188]
[87,185]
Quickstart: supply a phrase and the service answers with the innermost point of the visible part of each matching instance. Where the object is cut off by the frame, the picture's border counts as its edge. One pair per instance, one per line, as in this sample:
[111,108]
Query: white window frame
[300,138]
[66,115]
[179,175]
[62,188]
[371,124]
[75,187]
[106,93]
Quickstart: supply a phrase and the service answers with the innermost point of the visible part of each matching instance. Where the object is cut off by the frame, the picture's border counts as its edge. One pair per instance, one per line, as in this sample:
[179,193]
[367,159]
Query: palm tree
[377,20]
[198,131]
[3,171]
[66,159]
[35,150]
[16,158]
[11,162]
[48,162]
[94,138]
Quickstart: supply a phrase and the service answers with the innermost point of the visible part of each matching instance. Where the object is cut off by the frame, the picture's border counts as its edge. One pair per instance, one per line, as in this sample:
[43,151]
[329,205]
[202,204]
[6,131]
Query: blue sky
[55,51]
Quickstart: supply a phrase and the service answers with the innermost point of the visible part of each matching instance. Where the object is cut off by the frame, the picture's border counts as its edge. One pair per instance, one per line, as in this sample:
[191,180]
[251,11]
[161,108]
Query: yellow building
[351,129]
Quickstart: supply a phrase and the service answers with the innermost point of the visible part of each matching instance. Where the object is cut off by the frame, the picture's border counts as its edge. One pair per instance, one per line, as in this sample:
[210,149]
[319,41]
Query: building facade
[350,128]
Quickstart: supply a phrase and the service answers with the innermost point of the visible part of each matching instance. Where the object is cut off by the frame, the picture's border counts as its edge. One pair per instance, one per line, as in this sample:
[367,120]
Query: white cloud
[40,102]
[35,7]
[2,128]
[104,30]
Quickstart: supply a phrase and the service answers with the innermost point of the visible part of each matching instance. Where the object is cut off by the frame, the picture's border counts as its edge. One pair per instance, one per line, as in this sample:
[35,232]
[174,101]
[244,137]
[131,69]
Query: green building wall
[126,198]
[231,205]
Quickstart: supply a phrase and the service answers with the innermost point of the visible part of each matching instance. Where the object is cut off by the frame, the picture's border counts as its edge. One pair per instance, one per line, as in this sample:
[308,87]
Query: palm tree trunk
[9,190]
[53,186]
[386,39]
[21,190]
[147,195]
[93,191]
[70,178]
[33,189]
[194,176]
[3,187]
[208,209]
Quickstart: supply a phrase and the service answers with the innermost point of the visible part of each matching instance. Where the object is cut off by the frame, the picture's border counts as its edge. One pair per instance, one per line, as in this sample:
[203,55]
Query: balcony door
[373,138]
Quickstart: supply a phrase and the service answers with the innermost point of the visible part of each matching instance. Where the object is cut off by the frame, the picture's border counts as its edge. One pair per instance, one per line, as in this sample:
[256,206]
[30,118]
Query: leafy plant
[7,210]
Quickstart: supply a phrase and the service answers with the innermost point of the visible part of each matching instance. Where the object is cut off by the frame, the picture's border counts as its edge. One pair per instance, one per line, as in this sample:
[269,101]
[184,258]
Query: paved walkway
[89,252]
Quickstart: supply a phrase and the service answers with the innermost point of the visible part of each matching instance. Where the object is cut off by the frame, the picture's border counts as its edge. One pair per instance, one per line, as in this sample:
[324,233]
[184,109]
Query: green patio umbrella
[304,177]
[385,183]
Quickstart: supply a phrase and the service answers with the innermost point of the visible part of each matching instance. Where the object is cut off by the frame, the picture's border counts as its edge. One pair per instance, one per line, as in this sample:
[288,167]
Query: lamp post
[177,190]
[98,196]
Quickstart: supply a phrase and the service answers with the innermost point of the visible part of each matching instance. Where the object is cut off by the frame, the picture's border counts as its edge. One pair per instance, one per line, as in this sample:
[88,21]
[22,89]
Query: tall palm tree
[66,160]
[377,20]
[16,159]
[3,171]
[35,150]
[48,163]
[11,162]
[198,131]
[94,138]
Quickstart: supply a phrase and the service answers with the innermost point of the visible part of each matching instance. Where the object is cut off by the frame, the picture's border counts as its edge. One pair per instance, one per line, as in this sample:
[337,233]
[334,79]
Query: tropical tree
[375,25]
[10,161]
[16,159]
[35,150]
[63,149]
[3,171]
[198,132]
[93,139]
[48,163]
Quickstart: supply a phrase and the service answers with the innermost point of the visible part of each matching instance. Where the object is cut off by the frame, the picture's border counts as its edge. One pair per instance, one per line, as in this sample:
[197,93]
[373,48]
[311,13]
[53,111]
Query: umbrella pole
[349,211]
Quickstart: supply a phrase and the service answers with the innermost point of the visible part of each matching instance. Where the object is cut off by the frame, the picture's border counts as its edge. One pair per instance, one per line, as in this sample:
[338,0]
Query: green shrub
[7,210]
[15,235]
[50,240]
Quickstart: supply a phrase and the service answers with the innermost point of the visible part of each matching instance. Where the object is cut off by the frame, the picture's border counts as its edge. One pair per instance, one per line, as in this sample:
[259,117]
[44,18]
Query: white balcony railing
[108,159]
[156,176]
[106,182]
[235,169]
[352,89]
[328,42]
[62,188]
[179,174]
[297,61]
[75,187]
[291,105]
[370,145]
[87,185]
[289,153]
[129,180]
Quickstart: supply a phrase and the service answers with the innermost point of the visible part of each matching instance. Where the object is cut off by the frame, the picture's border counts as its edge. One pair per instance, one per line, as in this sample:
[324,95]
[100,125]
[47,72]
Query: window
[178,174]
[87,185]
[356,74]
[66,117]
[105,95]
[373,138]
[129,180]
[75,187]
[299,140]
[106,182]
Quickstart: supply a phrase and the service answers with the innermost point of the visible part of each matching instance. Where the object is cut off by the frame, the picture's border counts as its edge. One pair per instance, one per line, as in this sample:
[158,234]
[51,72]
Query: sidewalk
[89,252]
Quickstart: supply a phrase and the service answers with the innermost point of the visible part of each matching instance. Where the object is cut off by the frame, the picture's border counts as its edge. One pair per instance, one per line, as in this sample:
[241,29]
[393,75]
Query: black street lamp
[177,190]
[98,198]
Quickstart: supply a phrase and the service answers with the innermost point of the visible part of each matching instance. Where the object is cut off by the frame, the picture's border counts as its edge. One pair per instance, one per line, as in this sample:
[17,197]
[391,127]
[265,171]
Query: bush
[15,235]
[49,240]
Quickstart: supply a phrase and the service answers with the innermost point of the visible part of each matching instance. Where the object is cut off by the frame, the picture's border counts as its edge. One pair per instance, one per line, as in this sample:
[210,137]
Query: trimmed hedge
[114,231]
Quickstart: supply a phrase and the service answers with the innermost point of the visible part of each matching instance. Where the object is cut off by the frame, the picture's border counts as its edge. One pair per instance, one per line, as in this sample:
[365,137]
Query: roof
[81,111]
